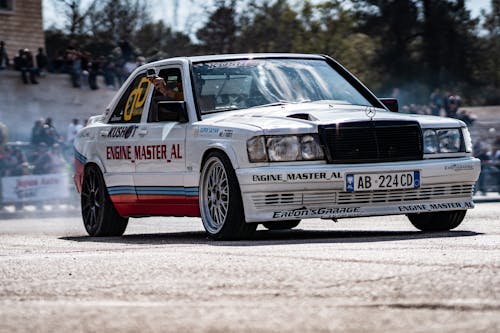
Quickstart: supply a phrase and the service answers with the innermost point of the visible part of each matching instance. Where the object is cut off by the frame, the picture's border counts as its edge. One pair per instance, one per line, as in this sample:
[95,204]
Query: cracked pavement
[368,274]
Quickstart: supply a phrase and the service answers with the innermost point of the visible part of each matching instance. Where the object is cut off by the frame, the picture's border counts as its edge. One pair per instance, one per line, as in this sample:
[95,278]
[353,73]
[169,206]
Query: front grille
[263,201]
[424,193]
[372,141]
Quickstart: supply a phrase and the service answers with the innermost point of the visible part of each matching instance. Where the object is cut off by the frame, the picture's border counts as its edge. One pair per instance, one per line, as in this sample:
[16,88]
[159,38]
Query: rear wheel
[221,206]
[281,225]
[100,217]
[439,221]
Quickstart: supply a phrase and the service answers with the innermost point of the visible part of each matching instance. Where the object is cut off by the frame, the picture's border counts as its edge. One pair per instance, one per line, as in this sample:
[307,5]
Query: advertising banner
[34,188]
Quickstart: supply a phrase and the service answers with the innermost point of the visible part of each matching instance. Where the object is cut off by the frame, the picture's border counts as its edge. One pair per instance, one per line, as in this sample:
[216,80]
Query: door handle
[104,133]
[142,132]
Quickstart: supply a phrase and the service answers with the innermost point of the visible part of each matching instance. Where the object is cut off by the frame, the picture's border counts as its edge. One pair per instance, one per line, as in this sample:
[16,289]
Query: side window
[173,84]
[131,105]
[165,102]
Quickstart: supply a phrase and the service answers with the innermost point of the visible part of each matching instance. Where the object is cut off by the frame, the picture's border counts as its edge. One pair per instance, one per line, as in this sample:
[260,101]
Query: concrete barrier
[22,104]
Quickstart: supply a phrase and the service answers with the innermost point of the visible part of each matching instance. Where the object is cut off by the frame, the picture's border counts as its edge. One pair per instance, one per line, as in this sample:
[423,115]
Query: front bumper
[318,191]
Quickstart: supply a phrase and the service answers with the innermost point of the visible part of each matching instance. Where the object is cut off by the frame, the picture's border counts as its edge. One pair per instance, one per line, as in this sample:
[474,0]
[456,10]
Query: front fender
[227,149]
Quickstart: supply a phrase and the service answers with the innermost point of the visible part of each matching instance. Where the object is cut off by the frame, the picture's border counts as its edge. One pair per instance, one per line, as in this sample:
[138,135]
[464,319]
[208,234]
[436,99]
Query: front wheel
[100,217]
[438,221]
[221,207]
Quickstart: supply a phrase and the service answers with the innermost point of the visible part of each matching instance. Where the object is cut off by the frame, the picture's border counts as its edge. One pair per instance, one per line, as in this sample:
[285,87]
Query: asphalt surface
[357,275]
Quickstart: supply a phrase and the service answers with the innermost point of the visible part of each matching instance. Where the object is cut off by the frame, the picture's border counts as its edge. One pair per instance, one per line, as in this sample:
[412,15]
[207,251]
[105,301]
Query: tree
[158,41]
[219,33]
[488,69]
[118,19]
[76,15]
[270,27]
[449,42]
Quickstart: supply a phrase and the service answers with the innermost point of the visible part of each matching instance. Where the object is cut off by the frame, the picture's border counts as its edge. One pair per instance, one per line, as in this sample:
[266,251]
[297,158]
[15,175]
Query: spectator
[73,129]
[50,135]
[41,62]
[4,58]
[127,50]
[482,153]
[19,164]
[466,117]
[37,132]
[452,105]
[24,63]
[42,162]
[109,72]
[94,68]
[74,66]
[436,102]
[58,63]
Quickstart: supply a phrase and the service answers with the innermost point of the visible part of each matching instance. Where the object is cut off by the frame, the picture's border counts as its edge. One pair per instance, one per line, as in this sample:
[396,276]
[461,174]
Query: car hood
[305,117]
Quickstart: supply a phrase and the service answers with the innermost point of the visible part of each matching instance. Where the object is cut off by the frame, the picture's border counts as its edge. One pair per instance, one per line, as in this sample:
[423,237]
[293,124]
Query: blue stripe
[81,158]
[154,190]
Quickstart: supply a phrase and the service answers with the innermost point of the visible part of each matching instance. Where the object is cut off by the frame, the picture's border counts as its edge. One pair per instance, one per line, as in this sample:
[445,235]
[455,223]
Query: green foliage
[414,45]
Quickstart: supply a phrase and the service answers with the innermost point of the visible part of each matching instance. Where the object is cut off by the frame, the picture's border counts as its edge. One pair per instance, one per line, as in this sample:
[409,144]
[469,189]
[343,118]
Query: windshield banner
[35,188]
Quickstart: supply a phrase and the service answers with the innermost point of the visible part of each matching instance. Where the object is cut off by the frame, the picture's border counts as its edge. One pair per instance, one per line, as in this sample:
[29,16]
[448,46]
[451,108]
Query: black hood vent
[372,141]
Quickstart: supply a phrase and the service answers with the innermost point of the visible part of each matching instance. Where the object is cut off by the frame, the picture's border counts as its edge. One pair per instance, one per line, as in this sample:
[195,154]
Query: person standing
[42,61]
[73,129]
[24,62]
[4,58]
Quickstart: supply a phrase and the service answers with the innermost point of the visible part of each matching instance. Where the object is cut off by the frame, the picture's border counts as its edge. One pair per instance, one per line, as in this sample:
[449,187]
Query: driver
[175,92]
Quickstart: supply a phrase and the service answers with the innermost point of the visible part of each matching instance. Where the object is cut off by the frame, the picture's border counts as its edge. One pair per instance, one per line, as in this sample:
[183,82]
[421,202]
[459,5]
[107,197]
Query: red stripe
[78,177]
[156,205]
[124,199]
[157,210]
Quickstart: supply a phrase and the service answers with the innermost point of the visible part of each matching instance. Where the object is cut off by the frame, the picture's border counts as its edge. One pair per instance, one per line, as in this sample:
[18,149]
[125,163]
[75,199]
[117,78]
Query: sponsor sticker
[322,212]
[297,177]
[459,167]
[122,132]
[209,130]
[145,152]
[435,206]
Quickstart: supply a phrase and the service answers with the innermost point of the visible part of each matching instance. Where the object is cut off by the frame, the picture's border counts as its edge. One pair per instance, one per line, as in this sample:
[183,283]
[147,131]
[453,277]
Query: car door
[117,138]
[160,156]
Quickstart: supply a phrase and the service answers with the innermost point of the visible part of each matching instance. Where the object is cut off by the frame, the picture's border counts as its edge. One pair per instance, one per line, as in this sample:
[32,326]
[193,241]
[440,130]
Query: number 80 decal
[136,100]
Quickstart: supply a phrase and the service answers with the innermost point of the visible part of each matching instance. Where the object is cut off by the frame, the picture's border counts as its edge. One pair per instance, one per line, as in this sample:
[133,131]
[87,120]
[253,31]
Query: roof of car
[224,57]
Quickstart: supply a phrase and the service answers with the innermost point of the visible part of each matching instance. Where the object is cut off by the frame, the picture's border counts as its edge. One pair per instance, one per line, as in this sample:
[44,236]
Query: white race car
[266,138]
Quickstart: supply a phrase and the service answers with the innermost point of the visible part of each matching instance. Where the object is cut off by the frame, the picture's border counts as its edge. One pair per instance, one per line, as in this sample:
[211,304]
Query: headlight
[447,140]
[311,148]
[256,149]
[283,148]
[431,145]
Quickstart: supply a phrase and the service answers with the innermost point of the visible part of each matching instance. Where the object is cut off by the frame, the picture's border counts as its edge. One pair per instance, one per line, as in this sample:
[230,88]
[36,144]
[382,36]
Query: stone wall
[22,27]
[21,104]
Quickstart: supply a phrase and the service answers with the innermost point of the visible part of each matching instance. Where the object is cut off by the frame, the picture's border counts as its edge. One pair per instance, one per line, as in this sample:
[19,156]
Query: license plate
[382,181]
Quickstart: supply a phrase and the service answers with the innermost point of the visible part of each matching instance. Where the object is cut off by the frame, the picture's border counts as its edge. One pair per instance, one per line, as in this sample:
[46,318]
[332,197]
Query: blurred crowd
[82,67]
[440,103]
[489,154]
[47,152]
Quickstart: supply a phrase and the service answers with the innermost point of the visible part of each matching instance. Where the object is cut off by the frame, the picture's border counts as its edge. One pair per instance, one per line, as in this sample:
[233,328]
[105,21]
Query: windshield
[240,84]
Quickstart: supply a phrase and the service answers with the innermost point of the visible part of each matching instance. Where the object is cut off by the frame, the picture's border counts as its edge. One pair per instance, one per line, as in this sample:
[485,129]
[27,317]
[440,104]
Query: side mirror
[390,103]
[169,111]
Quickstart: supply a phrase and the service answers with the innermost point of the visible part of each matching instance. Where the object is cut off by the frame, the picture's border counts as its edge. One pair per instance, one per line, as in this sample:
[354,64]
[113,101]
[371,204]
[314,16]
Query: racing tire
[100,217]
[439,221]
[281,225]
[221,206]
